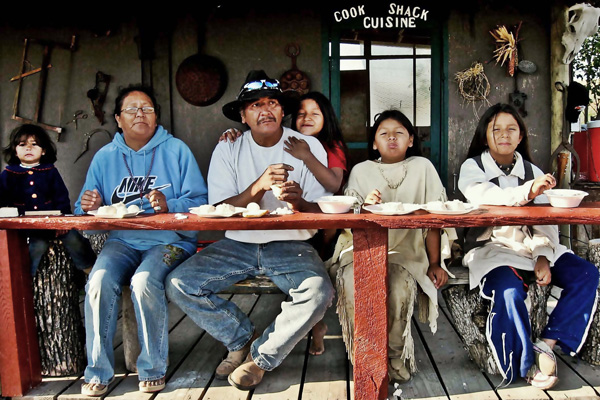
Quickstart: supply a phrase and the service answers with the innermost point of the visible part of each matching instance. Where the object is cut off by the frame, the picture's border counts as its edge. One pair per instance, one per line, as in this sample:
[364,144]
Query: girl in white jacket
[503,260]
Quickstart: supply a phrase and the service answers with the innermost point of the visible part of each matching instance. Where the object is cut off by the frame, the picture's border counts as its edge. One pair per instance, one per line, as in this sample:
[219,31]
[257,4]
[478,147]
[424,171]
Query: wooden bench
[467,308]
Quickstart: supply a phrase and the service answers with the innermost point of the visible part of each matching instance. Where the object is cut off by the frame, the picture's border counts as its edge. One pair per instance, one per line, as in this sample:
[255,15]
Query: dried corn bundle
[506,47]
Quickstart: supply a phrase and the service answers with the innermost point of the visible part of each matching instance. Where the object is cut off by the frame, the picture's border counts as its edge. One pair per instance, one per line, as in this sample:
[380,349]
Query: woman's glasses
[134,110]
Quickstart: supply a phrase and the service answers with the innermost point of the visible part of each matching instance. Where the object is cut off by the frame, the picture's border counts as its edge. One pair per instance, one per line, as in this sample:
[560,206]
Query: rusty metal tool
[79,114]
[43,71]
[87,138]
[97,95]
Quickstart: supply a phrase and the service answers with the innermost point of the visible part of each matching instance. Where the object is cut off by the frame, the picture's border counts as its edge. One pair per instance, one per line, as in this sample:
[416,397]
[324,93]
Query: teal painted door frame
[438,142]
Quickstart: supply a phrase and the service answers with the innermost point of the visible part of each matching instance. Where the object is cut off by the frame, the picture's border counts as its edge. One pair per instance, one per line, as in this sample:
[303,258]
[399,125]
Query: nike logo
[128,190]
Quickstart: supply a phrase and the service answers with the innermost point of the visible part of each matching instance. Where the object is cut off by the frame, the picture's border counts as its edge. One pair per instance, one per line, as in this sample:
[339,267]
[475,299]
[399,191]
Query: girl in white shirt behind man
[504,260]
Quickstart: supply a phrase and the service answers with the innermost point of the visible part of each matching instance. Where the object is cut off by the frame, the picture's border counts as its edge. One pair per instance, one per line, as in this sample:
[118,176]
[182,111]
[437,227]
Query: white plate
[468,209]
[255,214]
[380,210]
[238,211]
[114,216]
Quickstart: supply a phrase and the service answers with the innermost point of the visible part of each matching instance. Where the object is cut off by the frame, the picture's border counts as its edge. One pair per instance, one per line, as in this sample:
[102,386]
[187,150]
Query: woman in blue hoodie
[146,166]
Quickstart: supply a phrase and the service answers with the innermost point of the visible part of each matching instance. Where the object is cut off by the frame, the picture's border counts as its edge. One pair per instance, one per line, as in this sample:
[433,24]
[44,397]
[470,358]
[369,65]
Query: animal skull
[583,22]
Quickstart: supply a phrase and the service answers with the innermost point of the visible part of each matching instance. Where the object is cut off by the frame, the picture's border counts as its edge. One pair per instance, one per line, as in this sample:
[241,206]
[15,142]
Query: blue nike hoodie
[165,160]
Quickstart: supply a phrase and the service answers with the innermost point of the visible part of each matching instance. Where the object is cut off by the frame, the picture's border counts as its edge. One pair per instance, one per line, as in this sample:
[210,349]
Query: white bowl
[336,204]
[566,198]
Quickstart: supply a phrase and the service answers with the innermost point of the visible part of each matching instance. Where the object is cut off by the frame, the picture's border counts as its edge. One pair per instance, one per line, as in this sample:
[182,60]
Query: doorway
[374,70]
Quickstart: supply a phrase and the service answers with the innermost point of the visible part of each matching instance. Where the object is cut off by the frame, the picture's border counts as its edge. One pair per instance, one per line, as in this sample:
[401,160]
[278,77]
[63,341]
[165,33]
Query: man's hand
[90,200]
[374,197]
[291,192]
[274,174]
[542,271]
[438,275]
[297,148]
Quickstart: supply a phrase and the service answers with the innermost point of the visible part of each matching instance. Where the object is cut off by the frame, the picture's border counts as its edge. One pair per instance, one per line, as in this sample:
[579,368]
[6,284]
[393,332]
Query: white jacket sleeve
[475,186]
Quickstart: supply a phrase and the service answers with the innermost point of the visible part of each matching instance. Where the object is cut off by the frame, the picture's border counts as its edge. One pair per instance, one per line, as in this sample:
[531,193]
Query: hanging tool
[565,133]
[79,114]
[87,138]
[97,95]
[43,71]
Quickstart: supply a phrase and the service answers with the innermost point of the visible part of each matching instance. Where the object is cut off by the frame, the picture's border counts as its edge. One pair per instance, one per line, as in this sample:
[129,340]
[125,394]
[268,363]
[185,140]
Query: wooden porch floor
[445,371]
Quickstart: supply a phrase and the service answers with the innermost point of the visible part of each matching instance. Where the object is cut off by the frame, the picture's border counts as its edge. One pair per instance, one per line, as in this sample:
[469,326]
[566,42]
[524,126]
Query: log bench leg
[61,335]
[469,312]
[590,351]
[19,353]
[131,344]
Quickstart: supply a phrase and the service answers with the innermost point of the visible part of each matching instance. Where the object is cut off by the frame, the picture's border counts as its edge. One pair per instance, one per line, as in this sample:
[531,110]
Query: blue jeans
[145,271]
[77,247]
[508,327]
[295,267]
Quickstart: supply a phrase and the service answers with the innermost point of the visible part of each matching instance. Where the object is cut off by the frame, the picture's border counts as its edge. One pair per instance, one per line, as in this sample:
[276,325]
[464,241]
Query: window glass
[391,85]
[423,82]
[423,50]
[353,65]
[386,49]
[352,49]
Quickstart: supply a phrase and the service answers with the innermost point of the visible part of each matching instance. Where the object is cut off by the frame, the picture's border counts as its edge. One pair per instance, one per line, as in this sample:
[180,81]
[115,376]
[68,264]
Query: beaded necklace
[138,185]
[507,168]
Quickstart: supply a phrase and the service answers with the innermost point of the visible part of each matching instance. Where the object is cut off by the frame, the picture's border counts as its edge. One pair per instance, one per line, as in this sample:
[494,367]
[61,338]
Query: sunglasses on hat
[259,85]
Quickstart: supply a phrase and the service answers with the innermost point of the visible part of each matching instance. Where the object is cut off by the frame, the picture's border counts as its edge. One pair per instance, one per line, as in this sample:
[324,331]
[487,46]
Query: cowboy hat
[256,86]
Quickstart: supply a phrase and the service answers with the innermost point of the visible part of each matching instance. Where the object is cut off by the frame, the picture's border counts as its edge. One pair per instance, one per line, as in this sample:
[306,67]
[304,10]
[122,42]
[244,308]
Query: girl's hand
[438,275]
[90,200]
[541,184]
[297,148]
[158,201]
[542,271]
[230,134]
[374,197]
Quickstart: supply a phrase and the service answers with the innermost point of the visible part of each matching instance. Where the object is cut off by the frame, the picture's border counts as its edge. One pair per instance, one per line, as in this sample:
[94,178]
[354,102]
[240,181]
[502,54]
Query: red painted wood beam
[19,353]
[370,317]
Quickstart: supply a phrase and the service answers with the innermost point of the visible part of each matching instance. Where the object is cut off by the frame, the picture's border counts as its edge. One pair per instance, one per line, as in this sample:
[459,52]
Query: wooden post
[370,302]
[559,72]
[19,354]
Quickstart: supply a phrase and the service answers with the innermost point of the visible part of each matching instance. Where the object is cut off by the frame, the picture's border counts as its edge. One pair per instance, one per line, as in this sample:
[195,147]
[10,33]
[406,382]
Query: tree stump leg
[470,311]
[590,351]
[61,334]
[131,344]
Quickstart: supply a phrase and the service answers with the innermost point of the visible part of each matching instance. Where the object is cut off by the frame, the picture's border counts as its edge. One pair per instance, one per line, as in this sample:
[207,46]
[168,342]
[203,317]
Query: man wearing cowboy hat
[240,173]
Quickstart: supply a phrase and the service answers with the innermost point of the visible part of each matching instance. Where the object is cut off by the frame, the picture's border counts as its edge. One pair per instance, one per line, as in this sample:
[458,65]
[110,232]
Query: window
[382,71]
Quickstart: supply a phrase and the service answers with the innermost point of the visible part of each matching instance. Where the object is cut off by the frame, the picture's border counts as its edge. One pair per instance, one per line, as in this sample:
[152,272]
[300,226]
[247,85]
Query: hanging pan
[201,79]
[294,79]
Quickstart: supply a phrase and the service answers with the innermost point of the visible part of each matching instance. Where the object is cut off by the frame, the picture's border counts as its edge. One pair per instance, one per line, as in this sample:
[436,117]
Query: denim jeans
[295,267]
[145,271]
[77,247]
